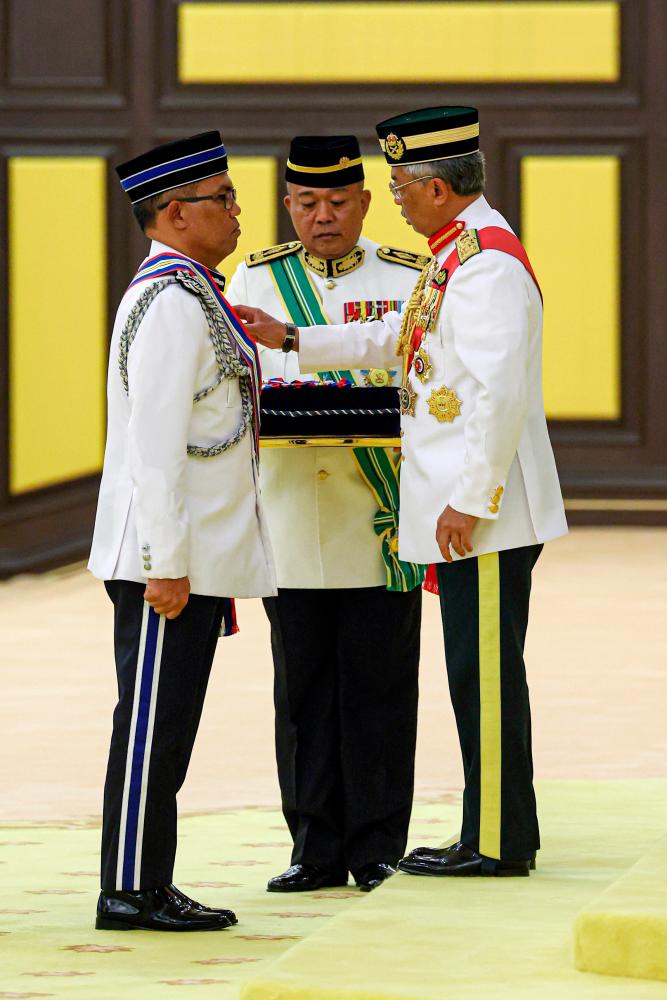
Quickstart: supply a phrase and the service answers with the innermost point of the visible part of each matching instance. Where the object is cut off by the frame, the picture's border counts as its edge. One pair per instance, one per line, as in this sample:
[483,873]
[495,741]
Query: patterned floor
[49,947]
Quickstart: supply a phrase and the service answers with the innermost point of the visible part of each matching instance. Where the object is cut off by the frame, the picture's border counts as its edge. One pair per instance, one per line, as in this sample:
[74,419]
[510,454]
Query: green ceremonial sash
[380,473]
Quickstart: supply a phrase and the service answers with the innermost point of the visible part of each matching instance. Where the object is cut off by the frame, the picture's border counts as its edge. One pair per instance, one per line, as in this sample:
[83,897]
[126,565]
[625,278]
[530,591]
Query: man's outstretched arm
[349,345]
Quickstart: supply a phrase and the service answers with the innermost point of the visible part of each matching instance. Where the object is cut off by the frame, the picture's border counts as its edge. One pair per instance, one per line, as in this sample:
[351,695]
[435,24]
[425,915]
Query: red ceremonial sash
[490,238]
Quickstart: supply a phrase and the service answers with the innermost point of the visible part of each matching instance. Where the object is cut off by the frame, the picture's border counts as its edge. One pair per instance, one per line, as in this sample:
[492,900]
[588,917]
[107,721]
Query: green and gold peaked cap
[429,134]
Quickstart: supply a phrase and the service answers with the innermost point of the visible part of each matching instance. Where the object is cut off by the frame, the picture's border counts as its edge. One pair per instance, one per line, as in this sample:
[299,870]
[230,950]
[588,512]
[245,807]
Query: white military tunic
[487,347]
[163,513]
[320,511]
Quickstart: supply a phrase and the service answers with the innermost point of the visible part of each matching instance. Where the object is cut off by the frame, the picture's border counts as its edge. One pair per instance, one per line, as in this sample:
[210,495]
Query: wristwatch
[290,334]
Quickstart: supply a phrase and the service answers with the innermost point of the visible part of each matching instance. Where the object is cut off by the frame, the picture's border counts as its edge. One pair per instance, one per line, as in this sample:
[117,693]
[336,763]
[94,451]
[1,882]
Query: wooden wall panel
[582,370]
[41,54]
[57,335]
[574,40]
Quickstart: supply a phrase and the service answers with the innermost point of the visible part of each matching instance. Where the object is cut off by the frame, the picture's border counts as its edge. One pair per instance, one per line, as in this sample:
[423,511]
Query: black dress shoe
[461,860]
[229,914]
[154,910]
[372,875]
[441,852]
[304,878]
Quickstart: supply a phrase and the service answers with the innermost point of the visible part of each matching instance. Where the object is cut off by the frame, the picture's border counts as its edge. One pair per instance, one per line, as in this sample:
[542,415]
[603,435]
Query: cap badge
[344,161]
[394,146]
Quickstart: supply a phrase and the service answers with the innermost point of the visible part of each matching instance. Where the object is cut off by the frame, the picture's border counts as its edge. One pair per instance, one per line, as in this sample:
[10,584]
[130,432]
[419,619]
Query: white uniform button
[322,475]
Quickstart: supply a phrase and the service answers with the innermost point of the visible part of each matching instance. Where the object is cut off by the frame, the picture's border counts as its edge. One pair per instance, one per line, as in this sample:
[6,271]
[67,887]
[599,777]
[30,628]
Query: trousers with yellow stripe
[484,603]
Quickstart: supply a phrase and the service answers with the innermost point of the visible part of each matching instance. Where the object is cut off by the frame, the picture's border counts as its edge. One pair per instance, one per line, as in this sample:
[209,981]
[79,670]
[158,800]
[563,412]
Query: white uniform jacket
[163,513]
[494,460]
[320,511]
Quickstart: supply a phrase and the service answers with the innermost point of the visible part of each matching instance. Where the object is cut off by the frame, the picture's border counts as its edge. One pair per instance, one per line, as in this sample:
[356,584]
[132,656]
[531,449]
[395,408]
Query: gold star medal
[422,365]
[408,400]
[444,405]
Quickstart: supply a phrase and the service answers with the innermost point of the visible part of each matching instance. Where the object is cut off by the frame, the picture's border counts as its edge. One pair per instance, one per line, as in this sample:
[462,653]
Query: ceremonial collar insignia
[337,268]
[445,235]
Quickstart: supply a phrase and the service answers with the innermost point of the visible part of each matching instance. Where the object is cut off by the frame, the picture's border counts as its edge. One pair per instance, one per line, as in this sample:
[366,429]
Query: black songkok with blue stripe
[173,164]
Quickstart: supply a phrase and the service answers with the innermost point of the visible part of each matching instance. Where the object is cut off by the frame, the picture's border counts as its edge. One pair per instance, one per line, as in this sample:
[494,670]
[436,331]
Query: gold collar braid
[337,268]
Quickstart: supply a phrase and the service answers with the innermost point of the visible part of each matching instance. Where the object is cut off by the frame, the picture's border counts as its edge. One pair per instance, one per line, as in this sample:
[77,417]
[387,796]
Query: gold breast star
[444,405]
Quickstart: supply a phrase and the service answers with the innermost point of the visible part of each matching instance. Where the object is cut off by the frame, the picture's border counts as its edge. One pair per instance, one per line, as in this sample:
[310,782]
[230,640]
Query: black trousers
[346,675]
[484,603]
[163,669]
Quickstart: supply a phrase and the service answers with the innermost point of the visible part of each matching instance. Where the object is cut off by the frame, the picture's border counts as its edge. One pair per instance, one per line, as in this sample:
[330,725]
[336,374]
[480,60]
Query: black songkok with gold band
[324,161]
[429,134]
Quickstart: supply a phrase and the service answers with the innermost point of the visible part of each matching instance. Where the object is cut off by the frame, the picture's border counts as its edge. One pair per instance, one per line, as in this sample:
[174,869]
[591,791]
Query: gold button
[494,508]
[323,474]
[500,490]
[330,283]
[495,498]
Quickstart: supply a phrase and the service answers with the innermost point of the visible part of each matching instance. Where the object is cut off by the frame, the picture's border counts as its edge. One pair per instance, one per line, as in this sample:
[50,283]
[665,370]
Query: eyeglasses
[395,188]
[226,198]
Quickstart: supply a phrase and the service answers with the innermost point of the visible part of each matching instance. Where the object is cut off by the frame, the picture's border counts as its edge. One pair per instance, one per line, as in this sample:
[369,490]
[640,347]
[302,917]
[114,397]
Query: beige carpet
[597,664]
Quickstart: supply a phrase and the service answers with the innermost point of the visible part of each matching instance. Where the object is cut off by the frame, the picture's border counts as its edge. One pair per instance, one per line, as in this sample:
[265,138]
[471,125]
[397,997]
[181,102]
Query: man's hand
[264,328]
[454,529]
[168,597]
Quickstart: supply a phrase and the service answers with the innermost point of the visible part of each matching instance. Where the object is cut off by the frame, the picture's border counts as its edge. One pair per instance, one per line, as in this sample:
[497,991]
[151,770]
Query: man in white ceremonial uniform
[479,488]
[344,629]
[179,529]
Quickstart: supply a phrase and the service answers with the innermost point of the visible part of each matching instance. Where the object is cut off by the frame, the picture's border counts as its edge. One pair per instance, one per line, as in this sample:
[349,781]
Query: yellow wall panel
[384,222]
[376,42]
[255,179]
[570,227]
[58,341]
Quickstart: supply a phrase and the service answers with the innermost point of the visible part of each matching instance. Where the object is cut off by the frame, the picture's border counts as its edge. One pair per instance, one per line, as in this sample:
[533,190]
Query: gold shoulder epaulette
[467,245]
[396,256]
[272,253]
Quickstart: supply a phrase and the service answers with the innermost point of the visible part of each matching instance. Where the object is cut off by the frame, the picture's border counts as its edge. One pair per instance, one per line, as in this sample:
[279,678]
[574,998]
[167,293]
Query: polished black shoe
[440,852]
[372,875]
[229,914]
[305,878]
[461,860]
[155,910]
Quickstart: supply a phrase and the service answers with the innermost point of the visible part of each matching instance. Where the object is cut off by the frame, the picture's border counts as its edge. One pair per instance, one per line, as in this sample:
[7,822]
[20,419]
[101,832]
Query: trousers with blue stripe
[484,603]
[162,668]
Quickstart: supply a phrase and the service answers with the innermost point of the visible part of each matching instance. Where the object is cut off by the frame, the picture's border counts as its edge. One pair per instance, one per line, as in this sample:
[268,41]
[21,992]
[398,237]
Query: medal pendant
[422,365]
[444,405]
[378,377]
[408,400]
